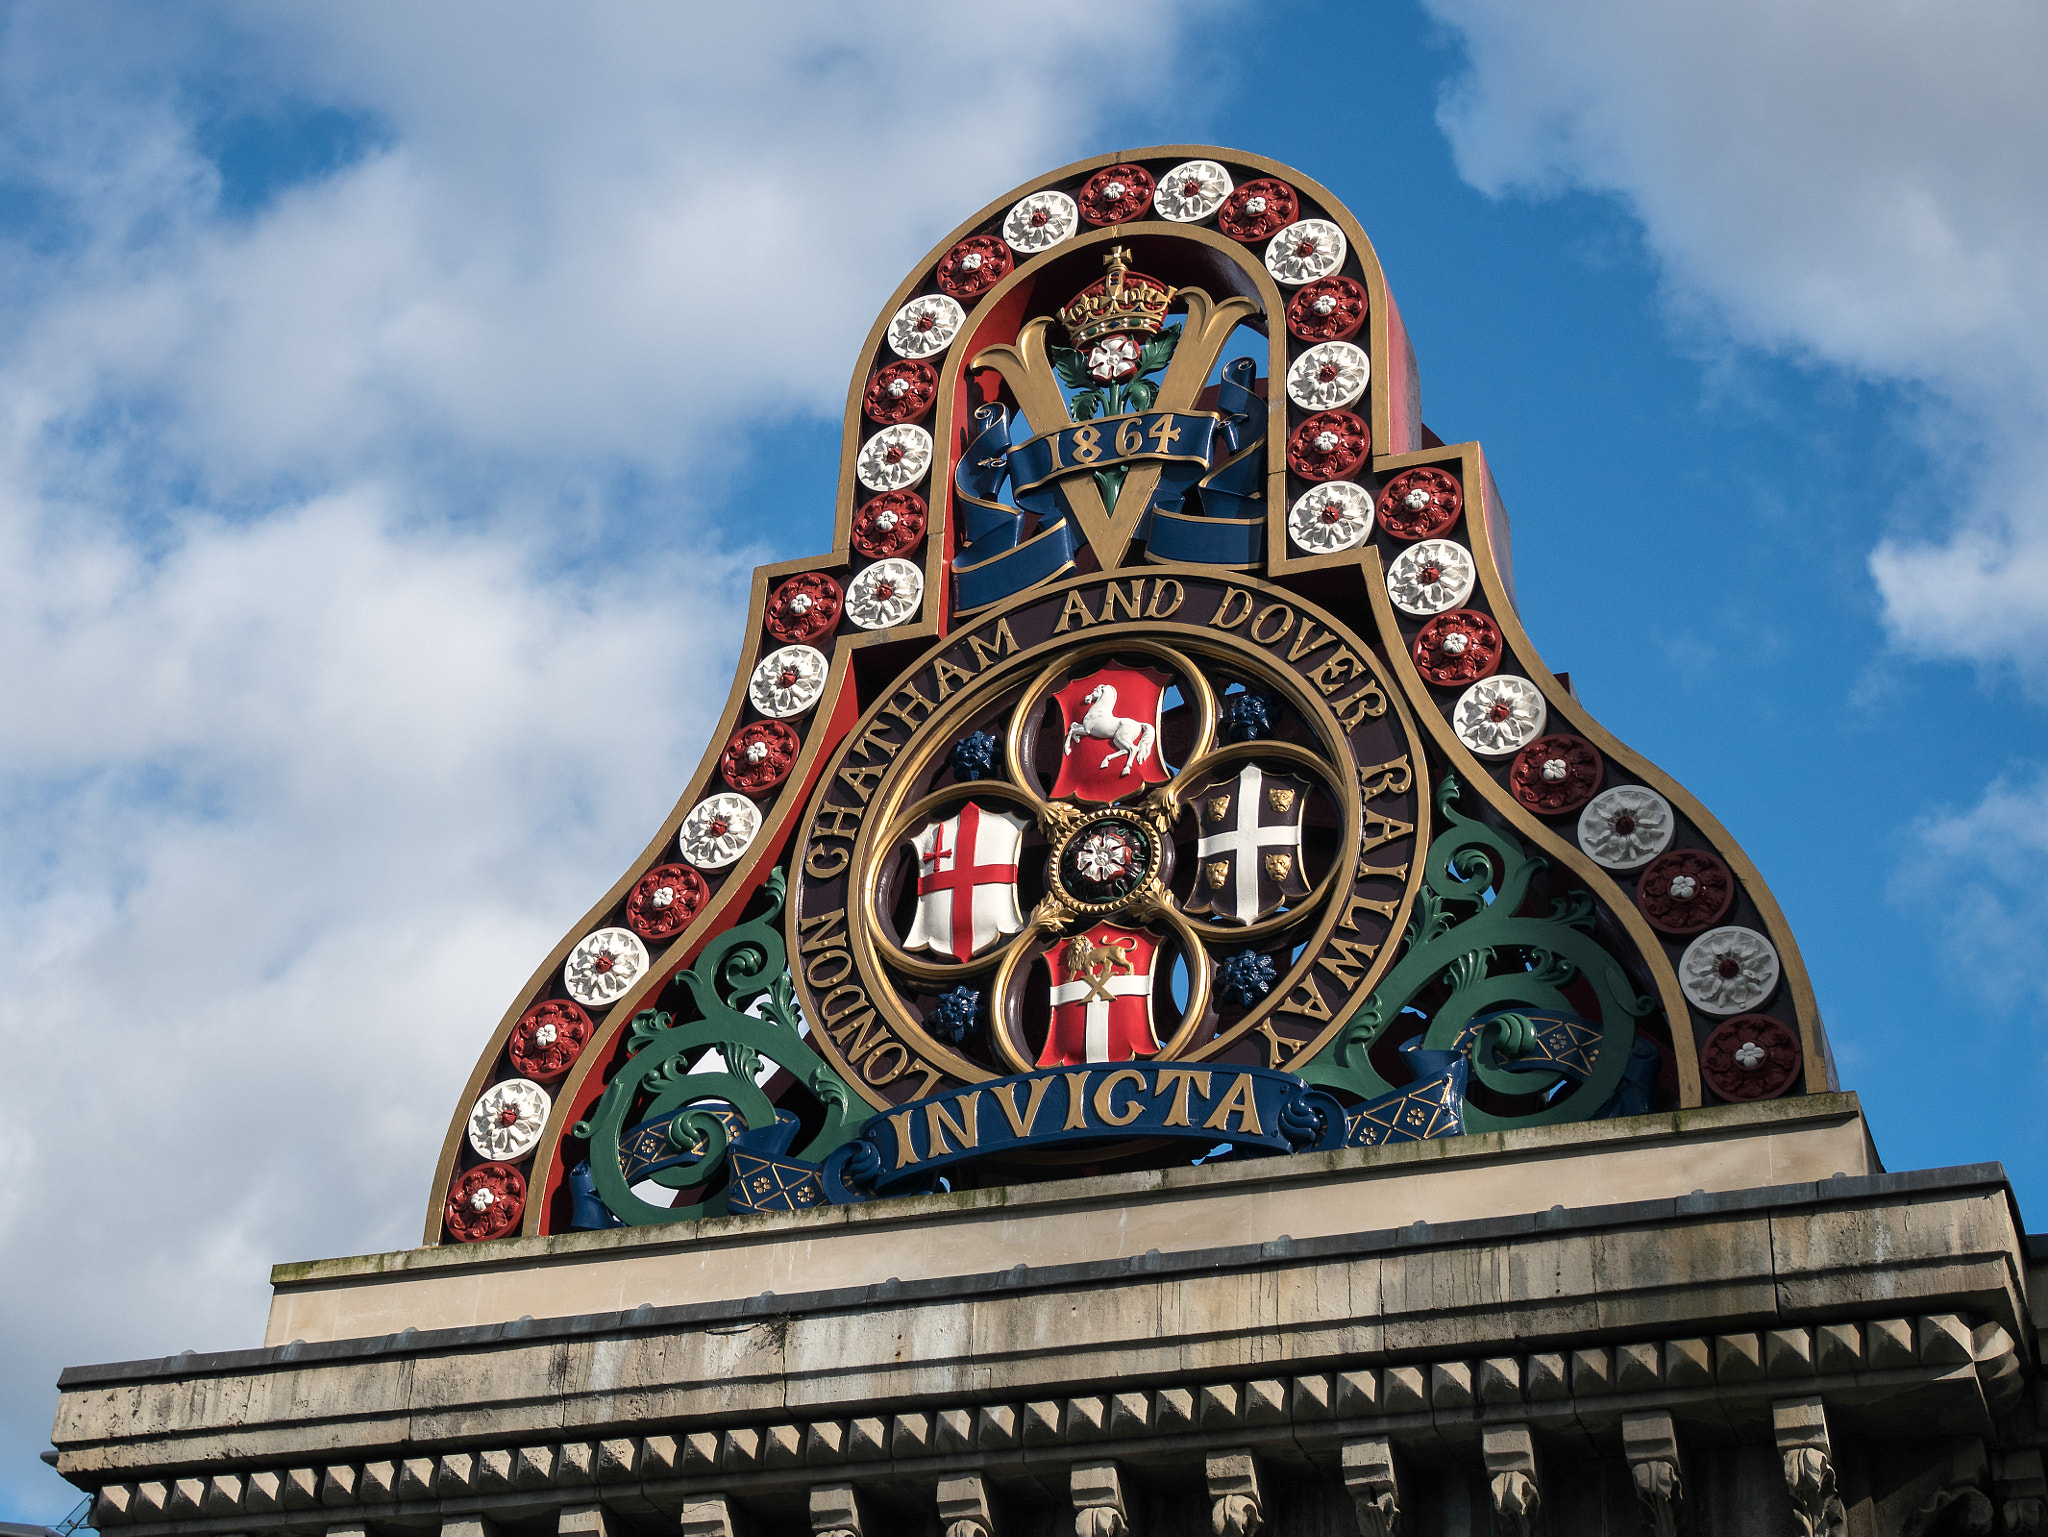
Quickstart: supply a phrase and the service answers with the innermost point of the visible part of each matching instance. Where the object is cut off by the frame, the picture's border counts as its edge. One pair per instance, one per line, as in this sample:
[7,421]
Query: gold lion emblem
[1277,865]
[1215,806]
[1279,799]
[1095,964]
[1218,871]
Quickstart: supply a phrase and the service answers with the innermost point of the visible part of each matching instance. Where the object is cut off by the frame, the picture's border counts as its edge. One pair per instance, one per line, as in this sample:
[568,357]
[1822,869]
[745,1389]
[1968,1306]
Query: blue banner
[995,559]
[1179,441]
[1253,1110]
[1221,519]
[1208,507]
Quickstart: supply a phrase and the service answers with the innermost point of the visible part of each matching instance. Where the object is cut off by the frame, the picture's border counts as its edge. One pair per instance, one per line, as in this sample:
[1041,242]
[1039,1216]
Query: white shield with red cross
[1112,719]
[966,901]
[1101,997]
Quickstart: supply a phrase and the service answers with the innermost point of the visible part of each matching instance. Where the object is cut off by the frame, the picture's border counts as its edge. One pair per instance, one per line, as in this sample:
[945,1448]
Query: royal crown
[1122,301]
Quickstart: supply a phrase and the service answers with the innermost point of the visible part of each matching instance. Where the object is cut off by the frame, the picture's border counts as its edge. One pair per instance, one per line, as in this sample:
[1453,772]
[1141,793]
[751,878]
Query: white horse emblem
[1129,739]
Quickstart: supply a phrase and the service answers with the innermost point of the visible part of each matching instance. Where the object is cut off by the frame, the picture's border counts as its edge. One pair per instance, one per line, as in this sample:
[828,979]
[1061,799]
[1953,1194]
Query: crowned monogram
[1120,338]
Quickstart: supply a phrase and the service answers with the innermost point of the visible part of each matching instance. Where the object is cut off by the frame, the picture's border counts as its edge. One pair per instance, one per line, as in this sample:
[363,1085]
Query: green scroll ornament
[739,969]
[1469,935]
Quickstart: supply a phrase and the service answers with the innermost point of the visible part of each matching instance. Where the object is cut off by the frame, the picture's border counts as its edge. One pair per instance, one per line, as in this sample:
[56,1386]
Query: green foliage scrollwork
[740,970]
[1469,938]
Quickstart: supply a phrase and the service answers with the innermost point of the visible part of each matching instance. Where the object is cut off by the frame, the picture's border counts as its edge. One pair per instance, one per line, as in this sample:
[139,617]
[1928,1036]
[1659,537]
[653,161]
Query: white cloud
[611,232]
[1979,870]
[361,584]
[1852,186]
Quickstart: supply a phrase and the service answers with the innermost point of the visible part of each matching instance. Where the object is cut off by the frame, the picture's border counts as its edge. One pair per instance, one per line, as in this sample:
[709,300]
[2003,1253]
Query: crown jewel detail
[1123,301]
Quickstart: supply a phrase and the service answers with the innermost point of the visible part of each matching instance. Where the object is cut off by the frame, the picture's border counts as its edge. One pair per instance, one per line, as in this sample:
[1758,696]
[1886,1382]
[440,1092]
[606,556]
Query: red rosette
[485,1202]
[1584,770]
[902,392]
[889,524]
[973,267]
[653,915]
[803,608]
[1329,446]
[759,756]
[1116,194]
[1751,1056]
[1457,648]
[1258,210]
[1708,883]
[1421,503]
[548,1039]
[1330,309]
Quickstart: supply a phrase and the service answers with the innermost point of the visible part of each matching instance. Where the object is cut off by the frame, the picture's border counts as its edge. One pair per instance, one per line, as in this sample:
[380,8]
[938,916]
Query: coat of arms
[1249,848]
[1101,997]
[1111,748]
[966,882]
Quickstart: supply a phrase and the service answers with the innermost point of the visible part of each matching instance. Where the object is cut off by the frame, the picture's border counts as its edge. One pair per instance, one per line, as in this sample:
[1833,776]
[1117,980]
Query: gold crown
[1122,301]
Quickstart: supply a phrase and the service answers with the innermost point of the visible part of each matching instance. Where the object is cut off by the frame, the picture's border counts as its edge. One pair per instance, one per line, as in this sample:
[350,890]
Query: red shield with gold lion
[1101,997]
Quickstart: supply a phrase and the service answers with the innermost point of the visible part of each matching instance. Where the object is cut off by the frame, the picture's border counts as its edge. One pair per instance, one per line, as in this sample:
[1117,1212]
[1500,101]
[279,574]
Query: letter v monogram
[1027,367]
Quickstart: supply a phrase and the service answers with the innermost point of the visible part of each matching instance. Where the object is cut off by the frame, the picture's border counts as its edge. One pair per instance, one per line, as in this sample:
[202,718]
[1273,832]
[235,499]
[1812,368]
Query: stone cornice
[1957,1376]
[1559,1221]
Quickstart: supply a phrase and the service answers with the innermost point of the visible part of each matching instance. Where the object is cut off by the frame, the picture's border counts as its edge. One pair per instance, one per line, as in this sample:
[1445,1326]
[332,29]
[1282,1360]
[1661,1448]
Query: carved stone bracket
[1960,1502]
[964,1508]
[1370,1480]
[1511,1477]
[1801,1428]
[583,1521]
[837,1510]
[713,1515]
[1098,1490]
[1236,1506]
[1651,1443]
[2022,1490]
[1998,1367]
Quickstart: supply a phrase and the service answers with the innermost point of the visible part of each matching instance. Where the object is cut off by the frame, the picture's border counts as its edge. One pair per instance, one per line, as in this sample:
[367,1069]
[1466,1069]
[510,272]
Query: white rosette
[1500,715]
[1626,827]
[1432,576]
[1192,191]
[506,1121]
[884,594]
[1729,970]
[926,326]
[1304,251]
[603,965]
[1041,221]
[1328,377]
[788,682]
[894,458]
[718,830]
[1335,515]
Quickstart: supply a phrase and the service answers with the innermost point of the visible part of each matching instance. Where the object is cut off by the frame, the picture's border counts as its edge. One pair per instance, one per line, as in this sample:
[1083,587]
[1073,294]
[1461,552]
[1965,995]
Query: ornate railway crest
[1196,784]
[1126,834]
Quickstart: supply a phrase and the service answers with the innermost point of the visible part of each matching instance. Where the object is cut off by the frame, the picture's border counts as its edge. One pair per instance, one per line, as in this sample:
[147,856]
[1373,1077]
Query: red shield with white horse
[1111,721]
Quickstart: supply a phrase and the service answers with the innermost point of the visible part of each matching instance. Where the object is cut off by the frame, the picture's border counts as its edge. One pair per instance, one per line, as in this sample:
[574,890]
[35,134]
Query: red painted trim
[731,905]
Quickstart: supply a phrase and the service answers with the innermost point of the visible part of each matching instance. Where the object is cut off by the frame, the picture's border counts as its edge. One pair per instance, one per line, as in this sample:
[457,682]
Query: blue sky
[393,401]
